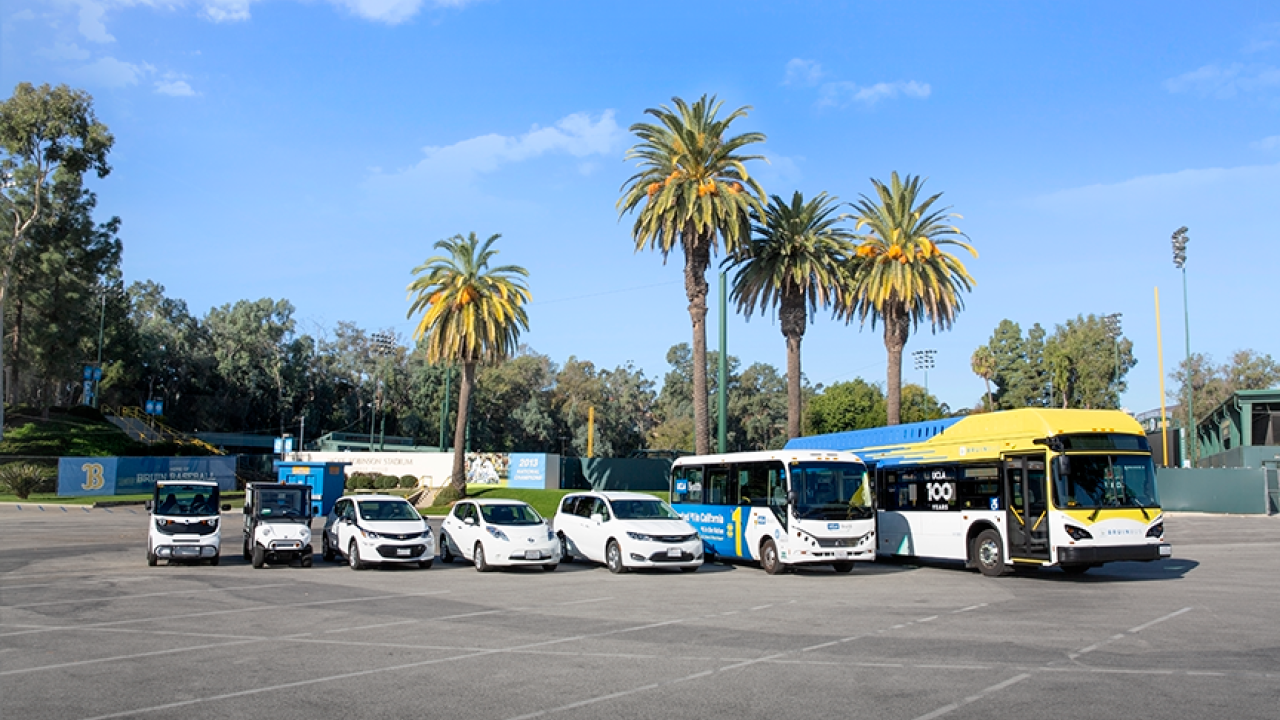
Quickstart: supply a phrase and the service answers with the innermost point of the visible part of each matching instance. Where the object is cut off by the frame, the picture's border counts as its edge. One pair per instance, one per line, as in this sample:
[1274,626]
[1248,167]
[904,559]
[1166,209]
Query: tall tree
[852,405]
[793,260]
[693,191]
[48,137]
[471,313]
[900,275]
[1213,384]
[983,363]
[1088,363]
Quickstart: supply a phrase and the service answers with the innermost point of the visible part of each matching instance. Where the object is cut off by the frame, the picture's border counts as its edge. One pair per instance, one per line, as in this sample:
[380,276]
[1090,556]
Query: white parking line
[973,698]
[1123,635]
[144,595]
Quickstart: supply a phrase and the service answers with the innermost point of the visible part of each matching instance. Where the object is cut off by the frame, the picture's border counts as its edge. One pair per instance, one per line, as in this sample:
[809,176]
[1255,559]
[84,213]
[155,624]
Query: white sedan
[626,530]
[498,532]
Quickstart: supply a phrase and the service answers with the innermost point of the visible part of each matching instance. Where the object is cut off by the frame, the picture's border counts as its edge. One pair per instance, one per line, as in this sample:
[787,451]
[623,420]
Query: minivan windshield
[186,500]
[643,510]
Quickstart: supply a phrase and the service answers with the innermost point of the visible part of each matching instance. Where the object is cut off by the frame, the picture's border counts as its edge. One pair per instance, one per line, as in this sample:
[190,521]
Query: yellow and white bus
[1019,488]
[781,508]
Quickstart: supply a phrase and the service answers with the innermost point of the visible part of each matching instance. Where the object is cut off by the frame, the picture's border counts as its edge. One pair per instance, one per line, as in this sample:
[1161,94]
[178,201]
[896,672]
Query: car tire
[613,558]
[307,560]
[259,556]
[151,557]
[842,567]
[446,554]
[326,551]
[769,560]
[217,558]
[425,564]
[550,567]
[353,556]
[988,554]
[482,565]
[565,555]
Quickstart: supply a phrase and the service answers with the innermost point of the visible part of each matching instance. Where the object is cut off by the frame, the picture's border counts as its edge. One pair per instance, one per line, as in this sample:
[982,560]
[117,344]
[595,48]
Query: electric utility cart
[277,524]
[184,522]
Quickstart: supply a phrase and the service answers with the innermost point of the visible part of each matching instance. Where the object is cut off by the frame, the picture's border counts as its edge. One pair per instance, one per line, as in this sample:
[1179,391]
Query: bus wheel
[842,567]
[988,555]
[769,561]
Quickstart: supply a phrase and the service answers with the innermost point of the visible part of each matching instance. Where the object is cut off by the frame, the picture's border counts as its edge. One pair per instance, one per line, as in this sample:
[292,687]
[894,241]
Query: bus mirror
[226,507]
[1062,465]
[147,506]
[792,497]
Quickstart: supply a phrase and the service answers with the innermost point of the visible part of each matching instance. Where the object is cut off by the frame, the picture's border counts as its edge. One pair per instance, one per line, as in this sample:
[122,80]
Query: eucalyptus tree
[49,137]
[900,275]
[471,313]
[692,191]
[793,260]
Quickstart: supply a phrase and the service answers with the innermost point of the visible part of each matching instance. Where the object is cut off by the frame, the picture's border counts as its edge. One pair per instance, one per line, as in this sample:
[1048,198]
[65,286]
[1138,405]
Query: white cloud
[1202,191]
[453,169]
[64,51]
[92,26]
[110,72]
[176,88]
[1225,81]
[843,93]
[387,11]
[226,10]
[1267,144]
[802,72]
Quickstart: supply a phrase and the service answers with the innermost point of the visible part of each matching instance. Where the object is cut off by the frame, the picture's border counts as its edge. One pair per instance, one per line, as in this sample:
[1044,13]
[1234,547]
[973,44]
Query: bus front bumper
[1118,553]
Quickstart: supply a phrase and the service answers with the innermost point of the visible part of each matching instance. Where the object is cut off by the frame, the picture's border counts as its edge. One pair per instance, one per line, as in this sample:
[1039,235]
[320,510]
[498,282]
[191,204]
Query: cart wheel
[259,556]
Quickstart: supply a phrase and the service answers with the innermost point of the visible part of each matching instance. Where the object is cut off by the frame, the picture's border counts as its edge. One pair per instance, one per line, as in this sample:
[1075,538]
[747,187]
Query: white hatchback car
[626,530]
[498,532]
[377,529]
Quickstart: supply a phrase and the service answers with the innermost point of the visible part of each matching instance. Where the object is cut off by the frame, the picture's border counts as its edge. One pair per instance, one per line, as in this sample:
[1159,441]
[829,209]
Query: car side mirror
[470,521]
[597,518]
[226,507]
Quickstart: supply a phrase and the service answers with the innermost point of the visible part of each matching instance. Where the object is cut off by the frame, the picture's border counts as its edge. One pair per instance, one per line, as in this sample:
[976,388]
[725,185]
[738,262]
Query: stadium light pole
[1112,323]
[383,343]
[924,361]
[1180,240]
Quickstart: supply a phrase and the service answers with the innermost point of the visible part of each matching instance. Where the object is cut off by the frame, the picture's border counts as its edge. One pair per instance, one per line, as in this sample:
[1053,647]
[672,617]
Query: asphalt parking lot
[87,630]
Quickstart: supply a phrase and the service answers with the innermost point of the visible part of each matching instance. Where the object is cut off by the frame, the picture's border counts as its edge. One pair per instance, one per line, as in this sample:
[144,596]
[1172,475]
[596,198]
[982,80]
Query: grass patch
[65,435]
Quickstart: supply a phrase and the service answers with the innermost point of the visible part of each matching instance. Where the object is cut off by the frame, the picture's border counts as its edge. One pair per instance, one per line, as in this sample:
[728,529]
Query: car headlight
[551,534]
[369,534]
[639,536]
[426,533]
[1156,531]
[266,531]
[495,532]
[1077,533]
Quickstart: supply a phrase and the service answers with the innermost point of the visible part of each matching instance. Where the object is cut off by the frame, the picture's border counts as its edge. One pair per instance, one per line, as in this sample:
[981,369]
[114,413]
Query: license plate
[532,555]
[402,551]
[186,551]
[674,552]
[1166,551]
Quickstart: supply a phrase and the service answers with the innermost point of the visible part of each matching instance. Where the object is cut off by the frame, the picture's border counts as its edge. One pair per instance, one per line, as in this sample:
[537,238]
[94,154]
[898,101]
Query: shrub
[23,478]
[409,481]
[385,482]
[352,482]
[448,494]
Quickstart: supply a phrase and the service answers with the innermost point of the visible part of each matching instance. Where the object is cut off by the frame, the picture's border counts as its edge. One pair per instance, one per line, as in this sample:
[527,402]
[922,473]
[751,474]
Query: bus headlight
[1077,533]
[1156,531]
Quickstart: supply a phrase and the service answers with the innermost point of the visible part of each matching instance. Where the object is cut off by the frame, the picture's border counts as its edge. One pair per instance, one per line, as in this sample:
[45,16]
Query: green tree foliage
[852,405]
[793,261]
[1213,384]
[901,275]
[692,191]
[49,139]
[471,313]
[253,348]
[1087,364]
[983,363]
[1016,366]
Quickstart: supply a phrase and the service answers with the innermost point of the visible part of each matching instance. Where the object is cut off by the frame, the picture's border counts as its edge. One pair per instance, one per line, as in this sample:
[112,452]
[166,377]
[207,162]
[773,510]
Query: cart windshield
[281,503]
[186,500]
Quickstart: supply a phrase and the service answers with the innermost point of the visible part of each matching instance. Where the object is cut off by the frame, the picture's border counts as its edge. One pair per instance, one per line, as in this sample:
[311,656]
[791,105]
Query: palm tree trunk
[459,475]
[897,325]
[697,256]
[792,317]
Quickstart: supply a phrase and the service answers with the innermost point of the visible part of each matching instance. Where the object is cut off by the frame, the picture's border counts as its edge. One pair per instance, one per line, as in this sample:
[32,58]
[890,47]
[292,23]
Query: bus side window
[777,486]
[755,484]
[718,489]
[692,476]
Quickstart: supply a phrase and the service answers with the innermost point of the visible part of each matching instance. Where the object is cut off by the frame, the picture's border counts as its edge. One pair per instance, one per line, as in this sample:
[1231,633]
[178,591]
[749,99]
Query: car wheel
[353,556]
[481,564]
[326,551]
[769,560]
[217,558]
[151,557]
[446,553]
[550,567]
[259,556]
[565,555]
[307,560]
[988,554]
[613,558]
[842,567]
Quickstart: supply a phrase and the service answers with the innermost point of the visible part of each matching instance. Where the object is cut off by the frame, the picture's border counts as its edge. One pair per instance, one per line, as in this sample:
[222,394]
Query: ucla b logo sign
[93,476]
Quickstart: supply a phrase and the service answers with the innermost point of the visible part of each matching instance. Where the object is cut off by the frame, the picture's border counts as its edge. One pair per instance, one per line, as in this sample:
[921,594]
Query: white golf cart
[185,524]
[277,524]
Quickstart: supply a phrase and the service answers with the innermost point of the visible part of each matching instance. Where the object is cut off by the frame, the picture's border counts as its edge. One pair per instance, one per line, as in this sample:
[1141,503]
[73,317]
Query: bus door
[1027,506]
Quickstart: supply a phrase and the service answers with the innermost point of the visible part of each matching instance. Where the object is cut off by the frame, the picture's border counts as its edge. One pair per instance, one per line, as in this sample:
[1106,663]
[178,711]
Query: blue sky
[314,151]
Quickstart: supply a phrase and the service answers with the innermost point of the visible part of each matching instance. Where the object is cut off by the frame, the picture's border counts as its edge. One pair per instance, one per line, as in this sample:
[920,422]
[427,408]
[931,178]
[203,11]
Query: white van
[185,523]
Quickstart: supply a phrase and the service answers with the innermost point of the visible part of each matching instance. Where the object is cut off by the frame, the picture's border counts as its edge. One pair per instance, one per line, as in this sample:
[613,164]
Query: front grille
[393,551]
[662,557]
[838,542]
[181,528]
[673,539]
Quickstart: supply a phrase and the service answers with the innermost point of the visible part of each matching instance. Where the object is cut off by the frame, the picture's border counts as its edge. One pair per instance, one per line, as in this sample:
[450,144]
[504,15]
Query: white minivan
[185,523]
[626,530]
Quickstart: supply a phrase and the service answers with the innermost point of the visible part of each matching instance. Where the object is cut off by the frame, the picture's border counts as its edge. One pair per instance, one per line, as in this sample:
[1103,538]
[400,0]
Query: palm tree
[692,190]
[983,363]
[900,275]
[794,260]
[472,313]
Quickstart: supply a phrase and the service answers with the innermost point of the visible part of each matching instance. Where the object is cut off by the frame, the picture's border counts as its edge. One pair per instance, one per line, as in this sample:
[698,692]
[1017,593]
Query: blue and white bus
[781,508]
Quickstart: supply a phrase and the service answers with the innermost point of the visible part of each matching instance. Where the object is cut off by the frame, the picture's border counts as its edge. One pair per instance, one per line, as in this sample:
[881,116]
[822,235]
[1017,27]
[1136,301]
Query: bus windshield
[831,491]
[1105,481]
[186,500]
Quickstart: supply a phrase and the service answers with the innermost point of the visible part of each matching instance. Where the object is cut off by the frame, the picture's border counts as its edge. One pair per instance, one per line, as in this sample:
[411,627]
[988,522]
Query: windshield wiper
[1094,516]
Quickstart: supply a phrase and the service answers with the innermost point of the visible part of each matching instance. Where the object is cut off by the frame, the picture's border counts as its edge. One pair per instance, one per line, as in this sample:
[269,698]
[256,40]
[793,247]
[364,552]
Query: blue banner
[527,470]
[135,475]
